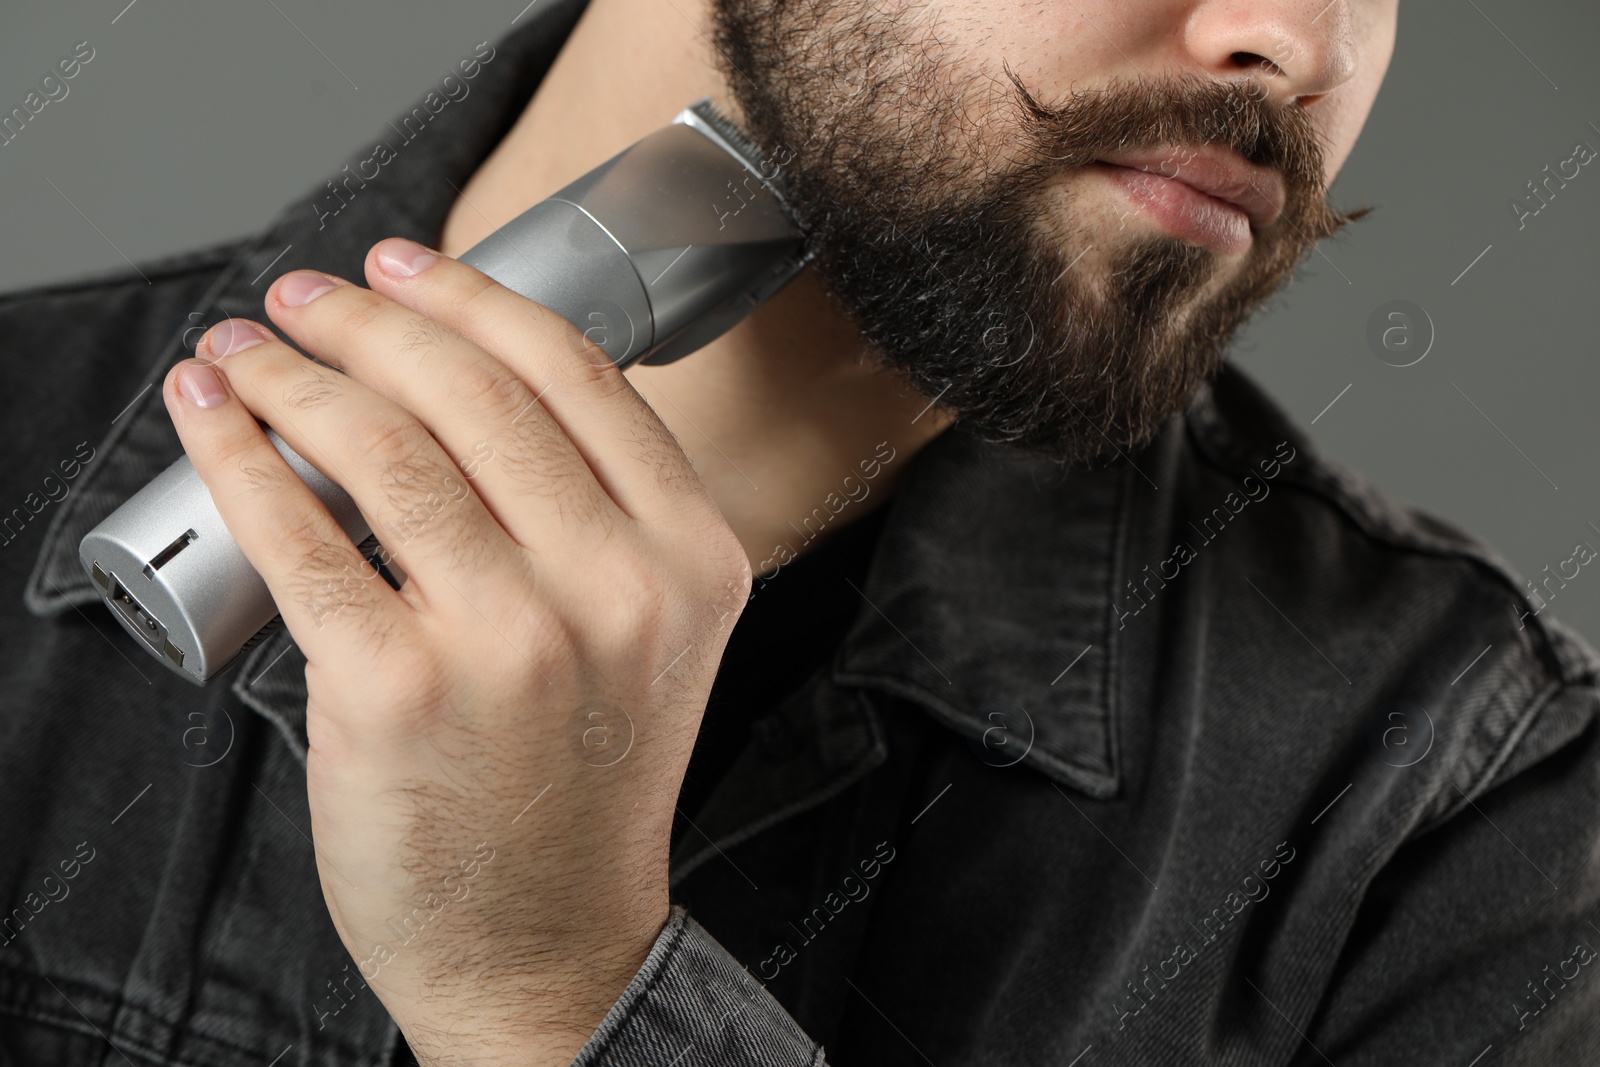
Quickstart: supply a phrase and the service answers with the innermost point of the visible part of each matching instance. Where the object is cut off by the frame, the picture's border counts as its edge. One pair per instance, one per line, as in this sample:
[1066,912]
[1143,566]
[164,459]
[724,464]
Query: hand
[495,862]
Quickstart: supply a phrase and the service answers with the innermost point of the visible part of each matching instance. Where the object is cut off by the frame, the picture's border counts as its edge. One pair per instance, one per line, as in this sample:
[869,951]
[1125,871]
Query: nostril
[1245,60]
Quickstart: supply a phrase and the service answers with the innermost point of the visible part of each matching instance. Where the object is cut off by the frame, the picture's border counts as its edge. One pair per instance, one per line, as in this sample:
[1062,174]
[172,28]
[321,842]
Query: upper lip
[1216,171]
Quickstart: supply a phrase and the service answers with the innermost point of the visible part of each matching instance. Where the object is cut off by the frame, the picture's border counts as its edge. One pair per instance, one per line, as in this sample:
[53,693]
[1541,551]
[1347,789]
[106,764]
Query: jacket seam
[1515,734]
[32,1011]
[1546,648]
[1111,677]
[655,979]
[1544,651]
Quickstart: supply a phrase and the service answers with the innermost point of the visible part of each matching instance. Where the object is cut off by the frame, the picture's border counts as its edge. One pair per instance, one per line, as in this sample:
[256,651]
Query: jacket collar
[988,603]
[990,600]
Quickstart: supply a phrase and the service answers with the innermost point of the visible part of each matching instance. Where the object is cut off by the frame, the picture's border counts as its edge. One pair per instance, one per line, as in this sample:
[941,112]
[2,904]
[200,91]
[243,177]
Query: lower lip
[1184,210]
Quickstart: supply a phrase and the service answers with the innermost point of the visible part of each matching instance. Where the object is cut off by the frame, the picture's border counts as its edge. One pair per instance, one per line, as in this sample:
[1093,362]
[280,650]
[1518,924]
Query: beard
[940,221]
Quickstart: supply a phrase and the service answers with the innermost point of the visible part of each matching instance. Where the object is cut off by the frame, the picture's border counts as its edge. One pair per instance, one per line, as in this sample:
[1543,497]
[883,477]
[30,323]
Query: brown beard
[937,223]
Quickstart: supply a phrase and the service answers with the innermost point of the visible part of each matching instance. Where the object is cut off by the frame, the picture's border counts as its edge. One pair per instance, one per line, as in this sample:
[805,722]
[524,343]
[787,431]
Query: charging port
[142,622]
[164,557]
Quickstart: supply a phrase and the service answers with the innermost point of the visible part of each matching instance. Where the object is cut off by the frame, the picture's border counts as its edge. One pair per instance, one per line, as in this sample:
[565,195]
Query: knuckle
[717,558]
[738,576]
[473,299]
[653,445]
[384,441]
[727,564]
[723,580]
[357,315]
[239,450]
[417,494]
[674,469]
[643,583]
[548,318]
[424,336]
[636,601]
[304,539]
[329,592]
[591,370]
[542,640]
[407,692]
[490,385]
[313,389]
[265,474]
[540,461]
[470,550]
[253,461]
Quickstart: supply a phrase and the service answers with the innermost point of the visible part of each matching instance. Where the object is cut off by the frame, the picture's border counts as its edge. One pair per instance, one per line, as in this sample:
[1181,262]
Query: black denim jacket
[1214,755]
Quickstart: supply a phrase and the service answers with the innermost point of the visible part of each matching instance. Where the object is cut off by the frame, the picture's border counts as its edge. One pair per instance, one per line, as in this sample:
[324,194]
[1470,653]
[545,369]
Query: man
[1004,679]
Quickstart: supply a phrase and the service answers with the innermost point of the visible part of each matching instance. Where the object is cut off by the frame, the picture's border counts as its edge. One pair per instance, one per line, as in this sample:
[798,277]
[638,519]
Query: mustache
[1181,111]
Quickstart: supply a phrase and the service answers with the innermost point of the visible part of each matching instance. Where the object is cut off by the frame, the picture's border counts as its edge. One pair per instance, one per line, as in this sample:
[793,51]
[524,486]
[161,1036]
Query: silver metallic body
[653,254]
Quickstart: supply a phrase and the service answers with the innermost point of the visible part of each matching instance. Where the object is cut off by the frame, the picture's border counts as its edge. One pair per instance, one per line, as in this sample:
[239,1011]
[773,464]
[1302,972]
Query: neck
[777,413]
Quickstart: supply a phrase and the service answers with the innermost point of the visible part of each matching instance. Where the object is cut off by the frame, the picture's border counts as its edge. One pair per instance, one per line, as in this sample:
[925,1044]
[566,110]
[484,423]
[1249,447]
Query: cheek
[1054,48]
[1343,112]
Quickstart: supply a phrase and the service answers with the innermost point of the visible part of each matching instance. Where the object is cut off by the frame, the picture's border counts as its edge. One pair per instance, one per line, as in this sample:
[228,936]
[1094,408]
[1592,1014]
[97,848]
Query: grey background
[195,123]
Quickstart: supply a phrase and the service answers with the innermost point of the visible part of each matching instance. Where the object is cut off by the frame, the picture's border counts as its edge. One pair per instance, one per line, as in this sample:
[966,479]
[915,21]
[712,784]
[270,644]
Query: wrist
[526,1020]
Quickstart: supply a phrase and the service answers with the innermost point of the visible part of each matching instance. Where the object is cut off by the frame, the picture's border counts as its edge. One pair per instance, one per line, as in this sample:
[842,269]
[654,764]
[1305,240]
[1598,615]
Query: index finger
[314,572]
[633,455]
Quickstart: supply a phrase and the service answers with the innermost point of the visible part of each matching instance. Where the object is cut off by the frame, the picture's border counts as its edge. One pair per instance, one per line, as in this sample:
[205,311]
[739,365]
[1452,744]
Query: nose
[1299,49]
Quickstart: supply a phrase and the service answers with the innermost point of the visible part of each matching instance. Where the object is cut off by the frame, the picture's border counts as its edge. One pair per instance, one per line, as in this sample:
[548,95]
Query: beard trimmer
[653,254]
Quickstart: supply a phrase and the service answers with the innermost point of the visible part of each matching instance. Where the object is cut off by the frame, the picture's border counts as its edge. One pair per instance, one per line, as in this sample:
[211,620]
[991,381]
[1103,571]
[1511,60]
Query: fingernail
[302,287]
[400,258]
[200,385]
[232,336]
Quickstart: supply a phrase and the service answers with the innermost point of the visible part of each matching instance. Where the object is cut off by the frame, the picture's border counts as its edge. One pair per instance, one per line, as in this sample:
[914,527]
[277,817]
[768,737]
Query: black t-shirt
[790,627]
